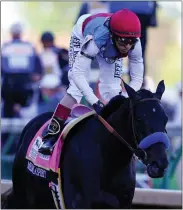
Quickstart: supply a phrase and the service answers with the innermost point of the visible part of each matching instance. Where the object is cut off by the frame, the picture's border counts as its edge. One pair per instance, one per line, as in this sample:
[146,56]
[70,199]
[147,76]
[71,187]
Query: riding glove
[98,106]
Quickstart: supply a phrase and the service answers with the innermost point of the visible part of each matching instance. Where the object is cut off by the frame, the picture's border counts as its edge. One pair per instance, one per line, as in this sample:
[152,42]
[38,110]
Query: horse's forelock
[143,93]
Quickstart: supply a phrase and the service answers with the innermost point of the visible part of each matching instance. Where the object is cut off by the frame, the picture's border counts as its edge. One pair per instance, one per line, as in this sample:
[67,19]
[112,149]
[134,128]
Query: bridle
[138,152]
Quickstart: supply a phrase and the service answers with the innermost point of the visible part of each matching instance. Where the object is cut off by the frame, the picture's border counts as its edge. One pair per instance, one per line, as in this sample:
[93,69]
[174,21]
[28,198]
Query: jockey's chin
[124,51]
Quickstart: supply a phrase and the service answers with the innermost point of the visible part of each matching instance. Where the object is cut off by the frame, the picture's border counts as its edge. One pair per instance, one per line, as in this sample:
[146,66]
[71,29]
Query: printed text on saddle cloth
[44,161]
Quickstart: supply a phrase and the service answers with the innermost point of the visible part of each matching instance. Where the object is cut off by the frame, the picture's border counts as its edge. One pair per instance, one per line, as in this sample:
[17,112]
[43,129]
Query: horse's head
[149,127]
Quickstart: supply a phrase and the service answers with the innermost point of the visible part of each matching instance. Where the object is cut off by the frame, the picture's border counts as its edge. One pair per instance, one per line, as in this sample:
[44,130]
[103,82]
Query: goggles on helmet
[126,41]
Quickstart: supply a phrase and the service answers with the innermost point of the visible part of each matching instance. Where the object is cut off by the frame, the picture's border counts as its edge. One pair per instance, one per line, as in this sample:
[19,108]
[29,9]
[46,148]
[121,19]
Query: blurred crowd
[32,82]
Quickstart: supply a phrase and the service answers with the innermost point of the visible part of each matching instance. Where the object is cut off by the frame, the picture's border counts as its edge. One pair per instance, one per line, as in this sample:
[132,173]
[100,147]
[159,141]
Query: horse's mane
[112,105]
[115,103]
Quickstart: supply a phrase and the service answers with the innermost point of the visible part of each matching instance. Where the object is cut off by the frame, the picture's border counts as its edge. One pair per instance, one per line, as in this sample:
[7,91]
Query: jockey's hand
[98,106]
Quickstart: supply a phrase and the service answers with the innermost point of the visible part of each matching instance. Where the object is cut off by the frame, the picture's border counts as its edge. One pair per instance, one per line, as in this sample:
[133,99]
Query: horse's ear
[131,92]
[160,90]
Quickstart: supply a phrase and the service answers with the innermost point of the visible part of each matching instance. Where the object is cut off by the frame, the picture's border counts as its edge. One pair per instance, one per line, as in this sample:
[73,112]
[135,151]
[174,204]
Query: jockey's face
[124,44]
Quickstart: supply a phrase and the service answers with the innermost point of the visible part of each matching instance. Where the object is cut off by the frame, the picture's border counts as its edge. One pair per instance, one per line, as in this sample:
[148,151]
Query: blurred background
[45,29]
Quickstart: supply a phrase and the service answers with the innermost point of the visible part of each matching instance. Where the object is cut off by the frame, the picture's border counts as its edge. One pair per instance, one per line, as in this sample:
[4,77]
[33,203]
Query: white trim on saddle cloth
[73,122]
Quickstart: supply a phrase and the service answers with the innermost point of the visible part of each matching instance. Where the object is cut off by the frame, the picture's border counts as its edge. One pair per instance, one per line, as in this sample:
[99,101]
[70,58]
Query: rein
[140,153]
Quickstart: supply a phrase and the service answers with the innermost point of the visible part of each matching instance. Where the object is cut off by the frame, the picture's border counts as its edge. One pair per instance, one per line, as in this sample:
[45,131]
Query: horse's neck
[122,125]
[118,150]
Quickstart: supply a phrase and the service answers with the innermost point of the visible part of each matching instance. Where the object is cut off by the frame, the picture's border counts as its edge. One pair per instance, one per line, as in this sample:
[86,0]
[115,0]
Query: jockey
[108,37]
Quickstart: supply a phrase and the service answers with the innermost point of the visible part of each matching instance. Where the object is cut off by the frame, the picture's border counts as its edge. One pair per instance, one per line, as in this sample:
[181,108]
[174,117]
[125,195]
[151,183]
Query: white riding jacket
[110,74]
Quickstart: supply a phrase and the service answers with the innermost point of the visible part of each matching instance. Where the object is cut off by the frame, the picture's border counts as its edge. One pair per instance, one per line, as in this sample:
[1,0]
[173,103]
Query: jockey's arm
[81,67]
[136,67]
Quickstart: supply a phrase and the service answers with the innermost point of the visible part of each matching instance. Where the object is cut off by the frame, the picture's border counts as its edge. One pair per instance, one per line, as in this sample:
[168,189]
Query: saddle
[78,113]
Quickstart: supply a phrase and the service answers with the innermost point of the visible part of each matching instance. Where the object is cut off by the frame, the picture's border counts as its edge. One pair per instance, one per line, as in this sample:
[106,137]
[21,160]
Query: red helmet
[125,23]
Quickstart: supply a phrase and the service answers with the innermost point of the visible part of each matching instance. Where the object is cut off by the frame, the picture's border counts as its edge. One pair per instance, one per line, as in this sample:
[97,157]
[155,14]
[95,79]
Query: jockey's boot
[54,129]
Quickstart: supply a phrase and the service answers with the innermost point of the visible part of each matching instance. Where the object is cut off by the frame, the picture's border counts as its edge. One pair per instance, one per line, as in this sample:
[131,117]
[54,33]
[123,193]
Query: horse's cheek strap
[155,138]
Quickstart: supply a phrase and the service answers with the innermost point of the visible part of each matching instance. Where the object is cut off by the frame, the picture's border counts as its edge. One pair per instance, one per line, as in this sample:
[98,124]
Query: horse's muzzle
[154,171]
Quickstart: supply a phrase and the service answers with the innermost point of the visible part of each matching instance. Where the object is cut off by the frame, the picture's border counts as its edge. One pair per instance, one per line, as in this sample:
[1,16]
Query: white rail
[142,196]
[158,197]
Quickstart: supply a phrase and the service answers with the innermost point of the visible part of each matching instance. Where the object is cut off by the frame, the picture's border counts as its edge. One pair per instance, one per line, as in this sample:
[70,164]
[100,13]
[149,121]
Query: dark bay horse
[98,164]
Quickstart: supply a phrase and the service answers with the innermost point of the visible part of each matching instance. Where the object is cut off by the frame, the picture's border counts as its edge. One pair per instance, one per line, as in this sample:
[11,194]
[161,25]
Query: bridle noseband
[138,152]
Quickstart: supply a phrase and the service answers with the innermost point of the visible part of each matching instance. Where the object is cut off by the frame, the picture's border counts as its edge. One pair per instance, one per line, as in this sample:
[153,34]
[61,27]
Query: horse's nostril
[154,171]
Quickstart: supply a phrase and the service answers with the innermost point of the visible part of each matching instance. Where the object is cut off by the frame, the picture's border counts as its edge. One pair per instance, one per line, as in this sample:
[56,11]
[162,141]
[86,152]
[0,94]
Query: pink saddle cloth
[50,162]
